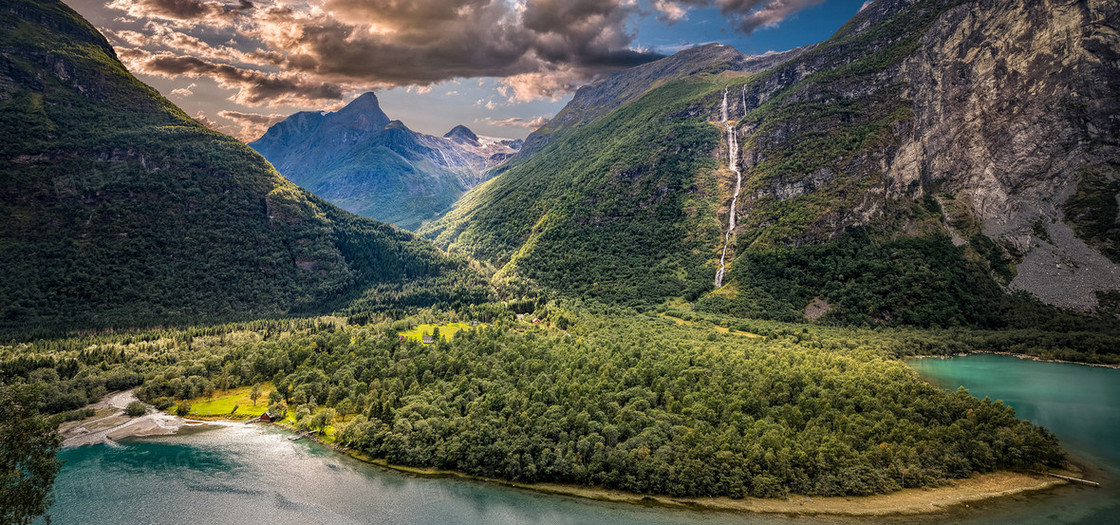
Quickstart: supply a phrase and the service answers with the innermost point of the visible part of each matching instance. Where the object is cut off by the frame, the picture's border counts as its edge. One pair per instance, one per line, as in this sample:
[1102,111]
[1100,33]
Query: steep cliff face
[999,110]
[360,160]
[1014,104]
[599,98]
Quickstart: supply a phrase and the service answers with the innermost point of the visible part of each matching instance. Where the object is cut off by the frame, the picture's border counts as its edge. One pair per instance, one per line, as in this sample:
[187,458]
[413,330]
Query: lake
[1079,403]
[253,474]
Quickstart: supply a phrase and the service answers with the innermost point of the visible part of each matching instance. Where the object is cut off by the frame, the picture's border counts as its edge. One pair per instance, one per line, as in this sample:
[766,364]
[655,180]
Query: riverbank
[978,488]
[110,423]
[1026,357]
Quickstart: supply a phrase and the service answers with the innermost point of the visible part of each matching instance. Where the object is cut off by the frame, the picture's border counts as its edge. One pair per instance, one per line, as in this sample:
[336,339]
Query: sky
[500,67]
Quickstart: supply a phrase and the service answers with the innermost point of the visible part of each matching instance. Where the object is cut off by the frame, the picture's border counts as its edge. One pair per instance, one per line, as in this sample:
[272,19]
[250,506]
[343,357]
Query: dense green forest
[632,402]
[610,212]
[869,279]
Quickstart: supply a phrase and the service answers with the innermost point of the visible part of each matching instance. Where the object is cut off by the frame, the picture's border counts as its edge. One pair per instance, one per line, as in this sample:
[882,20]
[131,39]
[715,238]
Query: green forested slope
[612,210]
[624,203]
[627,208]
[116,208]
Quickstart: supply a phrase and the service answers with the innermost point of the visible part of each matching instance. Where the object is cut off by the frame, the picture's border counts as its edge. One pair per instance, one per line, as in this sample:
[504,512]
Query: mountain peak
[462,135]
[369,99]
[364,112]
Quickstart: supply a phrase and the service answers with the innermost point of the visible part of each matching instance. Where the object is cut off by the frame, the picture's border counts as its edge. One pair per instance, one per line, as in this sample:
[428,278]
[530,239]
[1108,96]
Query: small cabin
[265,418]
[536,321]
[401,339]
[474,323]
[428,339]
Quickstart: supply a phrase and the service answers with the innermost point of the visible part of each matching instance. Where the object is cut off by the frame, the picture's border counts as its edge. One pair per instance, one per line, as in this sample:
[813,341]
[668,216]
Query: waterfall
[723,109]
[733,165]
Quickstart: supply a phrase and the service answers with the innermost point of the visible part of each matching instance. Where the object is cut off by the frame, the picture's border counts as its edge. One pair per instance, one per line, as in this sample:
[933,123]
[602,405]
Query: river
[253,474]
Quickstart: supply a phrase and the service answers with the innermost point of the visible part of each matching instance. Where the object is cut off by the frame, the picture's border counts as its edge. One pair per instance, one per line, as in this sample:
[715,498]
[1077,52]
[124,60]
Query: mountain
[362,161]
[927,160]
[116,208]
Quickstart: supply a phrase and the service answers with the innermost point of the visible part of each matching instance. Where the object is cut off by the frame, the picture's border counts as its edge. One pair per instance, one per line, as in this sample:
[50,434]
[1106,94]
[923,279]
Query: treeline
[1081,338]
[871,280]
[80,370]
[631,403]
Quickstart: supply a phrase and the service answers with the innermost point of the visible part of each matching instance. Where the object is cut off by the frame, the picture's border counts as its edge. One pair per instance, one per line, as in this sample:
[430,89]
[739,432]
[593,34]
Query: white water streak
[723,109]
[733,165]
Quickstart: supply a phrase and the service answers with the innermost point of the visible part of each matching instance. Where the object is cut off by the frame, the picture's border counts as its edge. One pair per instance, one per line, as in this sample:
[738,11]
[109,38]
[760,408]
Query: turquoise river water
[253,474]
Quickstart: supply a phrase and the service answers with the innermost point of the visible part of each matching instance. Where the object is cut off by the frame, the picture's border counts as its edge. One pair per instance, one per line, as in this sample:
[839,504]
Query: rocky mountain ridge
[362,161]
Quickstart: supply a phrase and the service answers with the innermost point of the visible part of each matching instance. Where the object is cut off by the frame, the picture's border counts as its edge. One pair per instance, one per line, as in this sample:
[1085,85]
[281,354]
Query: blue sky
[434,64]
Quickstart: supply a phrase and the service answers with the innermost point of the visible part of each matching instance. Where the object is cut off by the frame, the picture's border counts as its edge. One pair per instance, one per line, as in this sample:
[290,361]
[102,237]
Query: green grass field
[446,331]
[222,403]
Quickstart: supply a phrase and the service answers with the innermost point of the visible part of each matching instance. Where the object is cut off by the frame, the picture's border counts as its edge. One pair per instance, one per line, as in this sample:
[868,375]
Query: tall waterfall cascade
[733,165]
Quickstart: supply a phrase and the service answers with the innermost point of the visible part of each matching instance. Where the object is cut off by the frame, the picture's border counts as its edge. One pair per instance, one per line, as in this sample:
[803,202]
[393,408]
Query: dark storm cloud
[745,15]
[254,87]
[318,49]
[182,10]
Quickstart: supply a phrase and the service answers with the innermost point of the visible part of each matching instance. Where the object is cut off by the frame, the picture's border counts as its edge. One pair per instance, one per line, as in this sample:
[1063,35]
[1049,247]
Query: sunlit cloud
[314,52]
[517,122]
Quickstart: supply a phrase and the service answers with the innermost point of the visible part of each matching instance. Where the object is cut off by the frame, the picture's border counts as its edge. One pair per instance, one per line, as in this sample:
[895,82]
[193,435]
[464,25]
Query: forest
[616,400]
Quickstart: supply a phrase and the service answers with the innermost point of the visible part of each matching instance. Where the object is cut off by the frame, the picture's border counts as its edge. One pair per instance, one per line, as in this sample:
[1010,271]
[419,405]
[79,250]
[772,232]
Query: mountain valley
[700,284]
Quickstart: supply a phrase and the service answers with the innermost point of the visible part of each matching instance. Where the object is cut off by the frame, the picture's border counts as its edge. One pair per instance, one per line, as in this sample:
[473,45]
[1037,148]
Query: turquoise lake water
[253,474]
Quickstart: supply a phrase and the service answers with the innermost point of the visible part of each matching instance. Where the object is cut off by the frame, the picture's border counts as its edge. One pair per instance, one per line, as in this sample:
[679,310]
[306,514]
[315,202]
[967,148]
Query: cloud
[385,43]
[312,51]
[205,121]
[550,84]
[670,11]
[770,14]
[183,11]
[253,87]
[747,16]
[185,91]
[517,122]
[251,125]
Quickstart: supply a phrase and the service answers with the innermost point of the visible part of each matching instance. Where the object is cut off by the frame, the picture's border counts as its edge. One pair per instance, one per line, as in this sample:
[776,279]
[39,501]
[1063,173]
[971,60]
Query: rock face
[1000,105]
[362,161]
[1012,102]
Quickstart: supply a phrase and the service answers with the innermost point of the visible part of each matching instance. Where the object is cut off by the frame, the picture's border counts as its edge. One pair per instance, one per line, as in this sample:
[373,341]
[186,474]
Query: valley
[700,287]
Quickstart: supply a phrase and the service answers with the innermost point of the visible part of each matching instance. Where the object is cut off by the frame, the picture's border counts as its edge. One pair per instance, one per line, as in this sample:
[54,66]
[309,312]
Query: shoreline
[905,502]
[108,427]
[110,423]
[1012,354]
